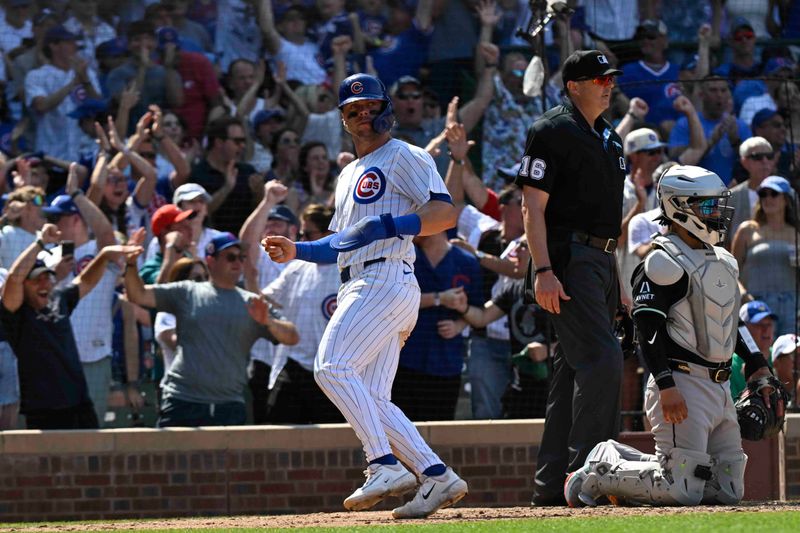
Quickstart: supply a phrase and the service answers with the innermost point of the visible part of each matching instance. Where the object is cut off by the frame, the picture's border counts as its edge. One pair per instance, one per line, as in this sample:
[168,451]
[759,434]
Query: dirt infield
[379,518]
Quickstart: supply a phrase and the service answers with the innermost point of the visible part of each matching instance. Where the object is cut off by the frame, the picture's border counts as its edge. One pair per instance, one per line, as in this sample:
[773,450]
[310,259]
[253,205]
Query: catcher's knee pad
[611,451]
[726,485]
[689,471]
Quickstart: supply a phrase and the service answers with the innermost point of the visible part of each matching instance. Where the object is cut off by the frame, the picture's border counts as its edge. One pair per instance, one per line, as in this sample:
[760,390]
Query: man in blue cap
[771,125]
[89,112]
[56,89]
[759,320]
[265,123]
[205,384]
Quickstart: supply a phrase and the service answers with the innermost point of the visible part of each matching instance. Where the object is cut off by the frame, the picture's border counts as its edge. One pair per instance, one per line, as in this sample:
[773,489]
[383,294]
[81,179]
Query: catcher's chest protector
[705,320]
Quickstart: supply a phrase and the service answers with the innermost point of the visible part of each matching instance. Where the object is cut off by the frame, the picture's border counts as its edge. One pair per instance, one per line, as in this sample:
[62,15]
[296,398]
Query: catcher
[685,304]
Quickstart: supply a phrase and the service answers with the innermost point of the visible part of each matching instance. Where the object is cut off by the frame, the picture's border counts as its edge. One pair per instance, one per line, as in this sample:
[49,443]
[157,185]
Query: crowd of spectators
[187,130]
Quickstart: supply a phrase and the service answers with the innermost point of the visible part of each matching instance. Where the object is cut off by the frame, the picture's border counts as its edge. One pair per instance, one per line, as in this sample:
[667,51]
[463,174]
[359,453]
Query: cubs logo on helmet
[329,305]
[370,186]
[357,87]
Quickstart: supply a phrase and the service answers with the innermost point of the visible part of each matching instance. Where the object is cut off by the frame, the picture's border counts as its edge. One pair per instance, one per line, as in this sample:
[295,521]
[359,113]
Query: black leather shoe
[548,501]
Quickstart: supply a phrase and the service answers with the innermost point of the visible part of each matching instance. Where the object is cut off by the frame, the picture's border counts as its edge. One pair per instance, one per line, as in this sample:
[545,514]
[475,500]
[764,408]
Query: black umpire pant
[583,403]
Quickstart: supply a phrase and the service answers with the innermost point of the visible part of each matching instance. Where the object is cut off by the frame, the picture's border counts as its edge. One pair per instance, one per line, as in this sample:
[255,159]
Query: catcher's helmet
[366,87]
[695,199]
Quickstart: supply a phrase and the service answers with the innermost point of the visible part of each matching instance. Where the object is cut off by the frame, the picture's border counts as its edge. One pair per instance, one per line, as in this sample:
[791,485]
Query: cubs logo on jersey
[370,186]
[82,263]
[329,306]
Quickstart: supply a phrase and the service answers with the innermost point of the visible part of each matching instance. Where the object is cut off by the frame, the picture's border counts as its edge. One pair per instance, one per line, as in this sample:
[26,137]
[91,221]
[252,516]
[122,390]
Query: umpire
[572,177]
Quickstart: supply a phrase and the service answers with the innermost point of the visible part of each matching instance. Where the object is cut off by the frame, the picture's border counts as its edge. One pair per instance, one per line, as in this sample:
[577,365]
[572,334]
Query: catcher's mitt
[757,420]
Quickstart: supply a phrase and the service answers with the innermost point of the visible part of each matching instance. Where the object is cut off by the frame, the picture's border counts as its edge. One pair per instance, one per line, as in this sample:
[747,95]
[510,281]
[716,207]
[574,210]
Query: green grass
[745,522]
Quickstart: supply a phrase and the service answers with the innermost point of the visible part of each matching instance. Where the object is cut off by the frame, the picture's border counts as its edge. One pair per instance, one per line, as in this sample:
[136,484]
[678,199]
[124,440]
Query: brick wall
[153,473]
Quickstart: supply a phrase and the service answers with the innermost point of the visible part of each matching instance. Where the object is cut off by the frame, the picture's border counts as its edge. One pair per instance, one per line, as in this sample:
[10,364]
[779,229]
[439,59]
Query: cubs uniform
[377,303]
[307,295]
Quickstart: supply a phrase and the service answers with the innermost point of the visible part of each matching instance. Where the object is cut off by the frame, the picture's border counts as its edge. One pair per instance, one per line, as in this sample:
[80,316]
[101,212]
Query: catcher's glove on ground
[757,420]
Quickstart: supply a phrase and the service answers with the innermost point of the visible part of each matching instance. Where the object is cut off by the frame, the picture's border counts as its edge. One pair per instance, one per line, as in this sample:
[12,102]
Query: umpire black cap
[585,65]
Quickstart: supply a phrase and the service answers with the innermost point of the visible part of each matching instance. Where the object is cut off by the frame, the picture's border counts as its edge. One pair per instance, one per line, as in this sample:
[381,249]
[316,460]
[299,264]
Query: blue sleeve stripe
[441,197]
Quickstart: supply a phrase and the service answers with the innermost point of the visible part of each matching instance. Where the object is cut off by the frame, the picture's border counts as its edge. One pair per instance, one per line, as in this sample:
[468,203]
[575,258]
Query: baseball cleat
[382,481]
[436,492]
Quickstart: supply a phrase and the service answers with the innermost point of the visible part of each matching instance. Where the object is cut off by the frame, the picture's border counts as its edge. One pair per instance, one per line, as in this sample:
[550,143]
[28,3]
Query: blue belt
[345,273]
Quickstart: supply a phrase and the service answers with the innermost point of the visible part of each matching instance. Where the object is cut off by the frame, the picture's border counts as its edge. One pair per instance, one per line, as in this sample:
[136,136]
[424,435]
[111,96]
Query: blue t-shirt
[722,155]
[658,88]
[425,351]
[401,55]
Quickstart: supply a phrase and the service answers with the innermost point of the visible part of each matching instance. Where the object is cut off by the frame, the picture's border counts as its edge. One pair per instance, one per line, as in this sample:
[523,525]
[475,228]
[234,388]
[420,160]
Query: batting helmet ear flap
[385,120]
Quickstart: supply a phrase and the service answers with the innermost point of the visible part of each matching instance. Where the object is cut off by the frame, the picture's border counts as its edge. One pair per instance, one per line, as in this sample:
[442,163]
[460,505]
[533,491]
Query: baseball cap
[190,191]
[586,64]
[750,144]
[166,35]
[116,47]
[651,26]
[509,173]
[776,64]
[222,242]
[57,34]
[403,80]
[776,183]
[739,23]
[166,215]
[785,344]
[755,311]
[761,117]
[61,205]
[267,114]
[281,212]
[39,267]
[90,107]
[642,139]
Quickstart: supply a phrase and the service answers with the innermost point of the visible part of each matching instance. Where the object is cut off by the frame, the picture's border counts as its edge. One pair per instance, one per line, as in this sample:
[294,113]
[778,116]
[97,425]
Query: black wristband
[75,193]
[539,270]
[457,161]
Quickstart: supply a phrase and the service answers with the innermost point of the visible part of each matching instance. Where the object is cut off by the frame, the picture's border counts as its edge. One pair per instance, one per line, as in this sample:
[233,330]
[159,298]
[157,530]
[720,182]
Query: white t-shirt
[13,241]
[302,62]
[754,104]
[11,37]
[92,323]
[472,224]
[56,133]
[307,293]
[164,322]
[262,158]
[325,128]
[641,229]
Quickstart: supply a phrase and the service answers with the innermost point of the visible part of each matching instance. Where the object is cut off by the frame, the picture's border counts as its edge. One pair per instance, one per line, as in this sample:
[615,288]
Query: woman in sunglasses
[764,246]
[22,218]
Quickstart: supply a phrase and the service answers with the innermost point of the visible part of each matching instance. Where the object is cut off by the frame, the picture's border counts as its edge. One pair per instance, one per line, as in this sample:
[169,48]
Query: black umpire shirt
[582,168]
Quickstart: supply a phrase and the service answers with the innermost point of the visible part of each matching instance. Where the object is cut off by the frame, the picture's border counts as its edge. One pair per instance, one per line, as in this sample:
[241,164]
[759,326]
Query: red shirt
[200,88]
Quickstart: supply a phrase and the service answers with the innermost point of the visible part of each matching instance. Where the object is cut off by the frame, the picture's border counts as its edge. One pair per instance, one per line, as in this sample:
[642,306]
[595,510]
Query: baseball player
[390,193]
[686,300]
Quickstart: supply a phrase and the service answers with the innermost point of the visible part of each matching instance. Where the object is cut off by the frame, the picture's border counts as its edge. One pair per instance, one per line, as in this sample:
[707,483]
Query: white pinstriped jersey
[268,271]
[397,178]
[91,320]
[307,293]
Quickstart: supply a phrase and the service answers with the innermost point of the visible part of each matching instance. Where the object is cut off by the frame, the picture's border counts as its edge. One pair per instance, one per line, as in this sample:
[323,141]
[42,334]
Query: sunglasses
[290,141]
[232,258]
[518,73]
[409,96]
[37,200]
[602,81]
[768,193]
[148,155]
[117,179]
[743,36]
[762,156]
[238,140]
[323,97]
[652,152]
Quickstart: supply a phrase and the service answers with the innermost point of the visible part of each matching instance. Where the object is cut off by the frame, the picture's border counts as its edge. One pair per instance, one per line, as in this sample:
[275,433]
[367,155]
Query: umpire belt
[717,373]
[607,245]
[344,275]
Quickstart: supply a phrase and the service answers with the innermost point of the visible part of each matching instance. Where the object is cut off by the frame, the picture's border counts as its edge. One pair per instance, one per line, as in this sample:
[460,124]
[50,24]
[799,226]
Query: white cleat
[382,481]
[436,492]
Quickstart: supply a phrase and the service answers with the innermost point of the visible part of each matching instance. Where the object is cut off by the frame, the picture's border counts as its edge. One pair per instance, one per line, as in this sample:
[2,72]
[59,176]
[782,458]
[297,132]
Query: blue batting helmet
[366,87]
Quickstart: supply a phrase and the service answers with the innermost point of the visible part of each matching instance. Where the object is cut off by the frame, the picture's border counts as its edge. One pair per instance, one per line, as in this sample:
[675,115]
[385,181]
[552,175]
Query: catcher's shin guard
[726,485]
[645,482]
